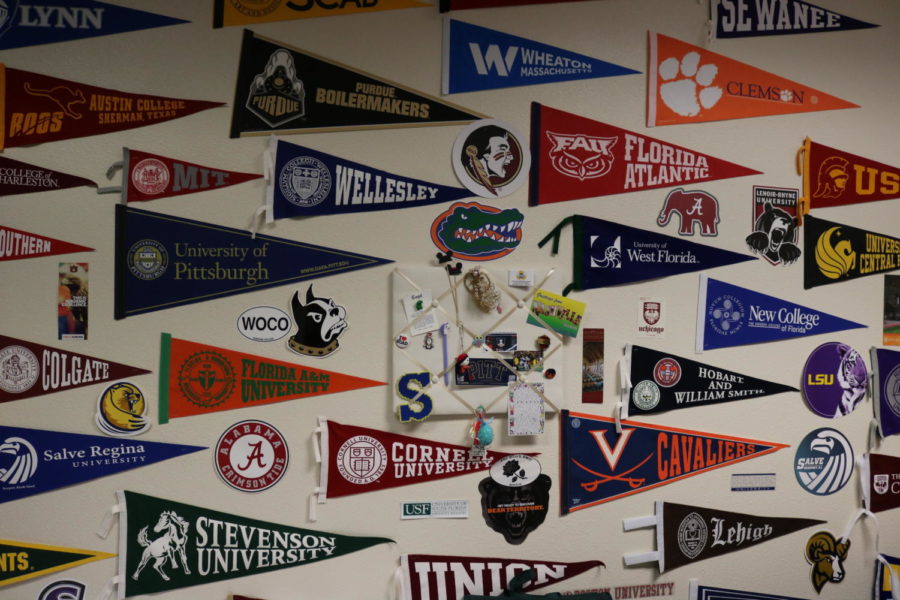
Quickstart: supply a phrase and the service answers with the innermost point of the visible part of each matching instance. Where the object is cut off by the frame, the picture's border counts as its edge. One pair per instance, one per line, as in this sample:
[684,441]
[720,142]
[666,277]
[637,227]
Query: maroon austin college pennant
[17,177]
[16,244]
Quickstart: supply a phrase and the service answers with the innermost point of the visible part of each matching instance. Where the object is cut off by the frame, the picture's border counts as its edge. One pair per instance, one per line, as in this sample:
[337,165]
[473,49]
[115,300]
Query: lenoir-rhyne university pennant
[27,560]
[690,84]
[40,108]
[575,157]
[17,177]
[881,482]
[706,592]
[249,12]
[886,365]
[836,252]
[34,461]
[281,88]
[738,18]
[17,244]
[197,379]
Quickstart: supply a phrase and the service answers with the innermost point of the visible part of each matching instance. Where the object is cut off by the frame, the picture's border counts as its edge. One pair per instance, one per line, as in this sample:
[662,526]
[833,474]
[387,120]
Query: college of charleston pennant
[882,490]
[16,244]
[887,577]
[446,5]
[705,592]
[835,252]
[208,548]
[34,560]
[600,465]
[575,157]
[39,108]
[833,177]
[283,89]
[249,12]
[28,369]
[197,379]
[730,315]
[886,365]
[736,18]
[17,177]
[164,261]
[34,461]
[689,84]
[477,58]
[693,533]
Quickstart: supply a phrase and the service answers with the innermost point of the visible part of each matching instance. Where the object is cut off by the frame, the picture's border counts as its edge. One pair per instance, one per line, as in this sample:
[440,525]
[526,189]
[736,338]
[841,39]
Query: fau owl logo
[581,156]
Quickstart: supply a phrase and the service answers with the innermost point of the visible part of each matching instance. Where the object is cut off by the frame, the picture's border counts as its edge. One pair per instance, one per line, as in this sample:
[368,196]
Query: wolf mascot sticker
[320,322]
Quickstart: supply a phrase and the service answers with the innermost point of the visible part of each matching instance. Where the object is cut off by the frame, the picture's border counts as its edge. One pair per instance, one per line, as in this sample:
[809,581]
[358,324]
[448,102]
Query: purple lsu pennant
[886,365]
[730,315]
[34,461]
[17,177]
[308,182]
[705,592]
[740,18]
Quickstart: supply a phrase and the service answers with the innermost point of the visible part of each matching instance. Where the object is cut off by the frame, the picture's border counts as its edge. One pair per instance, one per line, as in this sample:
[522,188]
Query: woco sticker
[474,231]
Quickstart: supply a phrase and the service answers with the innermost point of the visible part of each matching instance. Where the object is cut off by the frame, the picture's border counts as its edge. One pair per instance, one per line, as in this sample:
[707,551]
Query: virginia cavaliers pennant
[17,177]
[834,252]
[575,157]
[249,12]
[689,84]
[833,177]
[886,365]
[16,244]
[28,560]
[734,18]
[882,490]
[706,592]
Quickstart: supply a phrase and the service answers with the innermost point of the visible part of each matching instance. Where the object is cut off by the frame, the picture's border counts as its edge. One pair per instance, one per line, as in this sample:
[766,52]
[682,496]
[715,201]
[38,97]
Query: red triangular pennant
[17,177]
[16,244]
[832,177]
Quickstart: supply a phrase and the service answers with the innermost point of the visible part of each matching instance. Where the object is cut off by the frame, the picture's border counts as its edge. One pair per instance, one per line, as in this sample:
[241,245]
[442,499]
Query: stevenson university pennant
[737,18]
[832,177]
[834,252]
[17,177]
[34,560]
[16,244]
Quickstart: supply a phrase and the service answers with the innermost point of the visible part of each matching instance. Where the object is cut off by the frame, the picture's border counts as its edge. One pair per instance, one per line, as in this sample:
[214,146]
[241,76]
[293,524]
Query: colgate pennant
[886,398]
[17,177]
[16,244]
[575,157]
[690,84]
[882,491]
[40,108]
[28,369]
[777,17]
[832,177]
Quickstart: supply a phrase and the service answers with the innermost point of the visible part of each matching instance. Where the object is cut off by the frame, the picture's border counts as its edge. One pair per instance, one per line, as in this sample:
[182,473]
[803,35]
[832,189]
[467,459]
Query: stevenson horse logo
[169,546]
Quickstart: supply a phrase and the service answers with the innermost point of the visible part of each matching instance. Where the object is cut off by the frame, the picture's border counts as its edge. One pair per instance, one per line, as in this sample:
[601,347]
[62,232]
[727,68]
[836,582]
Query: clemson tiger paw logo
[687,86]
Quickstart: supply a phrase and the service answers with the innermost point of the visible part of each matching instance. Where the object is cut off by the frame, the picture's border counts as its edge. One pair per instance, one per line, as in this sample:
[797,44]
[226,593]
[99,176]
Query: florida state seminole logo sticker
[251,456]
[361,459]
[489,159]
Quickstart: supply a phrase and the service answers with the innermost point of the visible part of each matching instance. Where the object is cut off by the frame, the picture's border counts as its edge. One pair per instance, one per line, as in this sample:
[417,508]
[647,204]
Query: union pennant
[248,12]
[35,560]
[834,252]
[17,177]
[16,244]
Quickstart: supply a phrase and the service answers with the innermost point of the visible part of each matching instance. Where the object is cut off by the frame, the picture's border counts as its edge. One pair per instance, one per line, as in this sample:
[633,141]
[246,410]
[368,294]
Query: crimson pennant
[16,244]
[882,490]
[17,177]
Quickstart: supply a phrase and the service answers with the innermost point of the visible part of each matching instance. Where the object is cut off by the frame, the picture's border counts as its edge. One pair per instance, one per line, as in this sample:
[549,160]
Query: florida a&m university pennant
[17,244]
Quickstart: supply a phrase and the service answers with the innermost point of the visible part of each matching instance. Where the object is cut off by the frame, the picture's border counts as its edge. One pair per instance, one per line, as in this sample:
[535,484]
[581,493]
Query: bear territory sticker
[515,498]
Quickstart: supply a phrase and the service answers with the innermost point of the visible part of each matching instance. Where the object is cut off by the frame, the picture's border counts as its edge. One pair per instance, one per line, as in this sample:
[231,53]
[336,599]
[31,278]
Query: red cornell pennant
[575,157]
[16,244]
[38,108]
[28,369]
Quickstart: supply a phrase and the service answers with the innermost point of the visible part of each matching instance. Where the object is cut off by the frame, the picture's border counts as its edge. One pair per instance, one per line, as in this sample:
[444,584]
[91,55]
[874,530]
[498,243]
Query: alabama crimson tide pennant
[575,157]
[17,177]
[16,244]
[882,490]
[833,252]
[690,84]
[24,560]
[738,18]
[832,177]
[886,397]
[249,12]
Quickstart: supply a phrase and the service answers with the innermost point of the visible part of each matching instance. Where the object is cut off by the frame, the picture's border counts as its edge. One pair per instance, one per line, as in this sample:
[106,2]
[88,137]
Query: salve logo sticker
[18,462]
[823,463]
[251,456]
[122,410]
[474,231]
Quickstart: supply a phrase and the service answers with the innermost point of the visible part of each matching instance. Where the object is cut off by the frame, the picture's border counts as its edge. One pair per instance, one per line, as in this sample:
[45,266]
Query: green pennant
[22,560]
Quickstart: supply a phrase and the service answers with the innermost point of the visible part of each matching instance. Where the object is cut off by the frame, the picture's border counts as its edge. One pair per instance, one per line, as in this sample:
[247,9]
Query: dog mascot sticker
[17,244]
[34,560]
[320,324]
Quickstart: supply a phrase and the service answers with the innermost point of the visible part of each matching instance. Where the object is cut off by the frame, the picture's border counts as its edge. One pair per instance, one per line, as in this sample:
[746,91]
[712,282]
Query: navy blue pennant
[738,18]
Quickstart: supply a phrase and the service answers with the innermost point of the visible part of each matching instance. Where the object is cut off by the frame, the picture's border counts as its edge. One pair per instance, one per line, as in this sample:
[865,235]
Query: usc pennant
[832,177]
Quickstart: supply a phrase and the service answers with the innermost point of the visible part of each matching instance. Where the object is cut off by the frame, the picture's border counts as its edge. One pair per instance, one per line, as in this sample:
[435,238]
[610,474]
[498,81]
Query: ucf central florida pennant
[835,252]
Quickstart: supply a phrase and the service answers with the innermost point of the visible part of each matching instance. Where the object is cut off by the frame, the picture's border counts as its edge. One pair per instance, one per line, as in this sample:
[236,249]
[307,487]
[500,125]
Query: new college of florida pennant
[167,545]
[40,108]
[687,534]
[446,5]
[705,592]
[16,244]
[608,253]
[28,369]
[17,177]
[35,461]
[689,84]
[833,177]
[575,157]
[730,315]
[249,12]
[308,182]
[283,89]
[599,465]
[886,365]
[477,58]
[197,379]
[164,261]
[882,490]
[34,560]
[735,19]
[835,252]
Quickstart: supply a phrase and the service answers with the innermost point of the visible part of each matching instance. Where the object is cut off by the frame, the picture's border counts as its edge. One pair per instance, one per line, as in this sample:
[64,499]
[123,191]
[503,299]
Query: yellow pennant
[248,12]
[22,560]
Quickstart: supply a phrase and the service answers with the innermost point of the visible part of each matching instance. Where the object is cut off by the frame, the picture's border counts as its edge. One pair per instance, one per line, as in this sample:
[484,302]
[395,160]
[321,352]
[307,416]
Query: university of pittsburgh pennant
[833,177]
[17,177]
[164,261]
[227,13]
[575,157]
[835,252]
[34,560]
[886,366]
[283,89]
[882,490]
[734,18]
[197,379]
[690,84]
[16,244]
[40,108]
[706,592]
[477,58]
[447,5]
[599,465]
[34,461]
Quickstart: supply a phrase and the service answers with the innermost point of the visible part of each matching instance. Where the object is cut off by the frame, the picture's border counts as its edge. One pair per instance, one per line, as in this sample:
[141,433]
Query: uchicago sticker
[251,456]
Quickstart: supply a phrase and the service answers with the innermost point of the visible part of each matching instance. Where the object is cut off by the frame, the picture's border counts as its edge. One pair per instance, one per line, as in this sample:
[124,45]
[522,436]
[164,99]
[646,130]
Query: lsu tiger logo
[122,410]
[582,156]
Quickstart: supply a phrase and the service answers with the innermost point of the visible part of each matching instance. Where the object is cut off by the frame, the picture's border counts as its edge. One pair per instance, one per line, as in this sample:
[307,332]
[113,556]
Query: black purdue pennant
[837,252]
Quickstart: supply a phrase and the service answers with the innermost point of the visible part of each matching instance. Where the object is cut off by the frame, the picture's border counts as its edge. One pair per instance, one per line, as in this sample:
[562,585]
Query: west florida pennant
[835,252]
[600,465]
[164,261]
[886,365]
[696,591]
[281,88]
[17,177]
[16,244]
[690,84]
[832,177]
[249,12]
[575,157]
[737,18]
[28,560]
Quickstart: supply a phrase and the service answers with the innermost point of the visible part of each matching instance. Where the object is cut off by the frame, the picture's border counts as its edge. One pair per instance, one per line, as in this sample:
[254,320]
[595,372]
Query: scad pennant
[882,491]
[17,177]
[705,592]
[34,560]
[886,365]
[832,177]
[16,244]
[737,18]
[249,12]
[834,252]
[598,465]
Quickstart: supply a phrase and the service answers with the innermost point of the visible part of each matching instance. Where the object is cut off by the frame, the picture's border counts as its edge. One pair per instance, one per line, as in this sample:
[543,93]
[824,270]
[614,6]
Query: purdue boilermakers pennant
[284,89]
[575,157]
[24,560]
[706,592]
[17,177]
[249,12]
[16,244]
[734,18]
[886,366]
[834,252]
[832,177]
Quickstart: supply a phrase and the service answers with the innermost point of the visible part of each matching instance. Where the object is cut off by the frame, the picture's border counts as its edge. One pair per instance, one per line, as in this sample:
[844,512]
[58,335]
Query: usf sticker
[251,456]
[435,509]
[516,497]
[835,252]
[473,231]
[23,560]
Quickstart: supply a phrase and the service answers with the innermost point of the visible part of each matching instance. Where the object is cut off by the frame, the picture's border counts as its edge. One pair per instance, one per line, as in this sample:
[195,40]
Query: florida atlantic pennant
[17,177]
[834,252]
[16,244]
[23,560]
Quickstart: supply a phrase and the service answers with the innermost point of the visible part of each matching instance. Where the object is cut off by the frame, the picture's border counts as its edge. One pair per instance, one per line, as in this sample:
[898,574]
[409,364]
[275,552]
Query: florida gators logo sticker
[474,231]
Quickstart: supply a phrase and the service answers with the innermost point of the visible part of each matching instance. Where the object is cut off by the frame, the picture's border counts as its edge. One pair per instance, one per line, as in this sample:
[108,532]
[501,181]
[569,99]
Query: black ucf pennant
[835,252]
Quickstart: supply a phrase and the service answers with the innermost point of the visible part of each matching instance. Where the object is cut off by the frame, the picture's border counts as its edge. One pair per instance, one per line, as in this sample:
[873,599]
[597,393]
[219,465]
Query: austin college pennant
[308,182]
[196,379]
[737,18]
[886,365]
[167,545]
[834,252]
[40,108]
[832,177]
[730,315]
[164,261]
[689,84]
[882,490]
[34,461]
[17,177]
[16,244]
[284,89]
[705,592]
[477,58]
[575,157]
[24,560]
[250,12]
[598,465]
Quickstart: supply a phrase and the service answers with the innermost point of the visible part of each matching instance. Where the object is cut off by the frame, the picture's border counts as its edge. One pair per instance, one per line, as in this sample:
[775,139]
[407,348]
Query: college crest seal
[150,176]
[18,369]
[147,259]
[645,395]
[305,181]
[692,534]
[361,459]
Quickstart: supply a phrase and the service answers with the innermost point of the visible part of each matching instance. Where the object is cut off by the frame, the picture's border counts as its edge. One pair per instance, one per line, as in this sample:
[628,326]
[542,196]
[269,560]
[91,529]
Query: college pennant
[16,244]
[835,252]
[687,534]
[882,490]
[197,379]
[34,560]
[886,365]
[227,13]
[282,88]
[887,577]
[690,84]
[34,461]
[730,315]
[575,157]
[17,177]
[446,5]
[164,261]
[599,465]
[608,253]
[477,58]
[308,182]
[167,545]
[705,592]
[777,17]
[40,108]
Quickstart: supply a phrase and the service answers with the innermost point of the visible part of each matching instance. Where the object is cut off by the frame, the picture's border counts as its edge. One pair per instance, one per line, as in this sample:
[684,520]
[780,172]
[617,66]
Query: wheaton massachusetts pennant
[16,244]
[835,252]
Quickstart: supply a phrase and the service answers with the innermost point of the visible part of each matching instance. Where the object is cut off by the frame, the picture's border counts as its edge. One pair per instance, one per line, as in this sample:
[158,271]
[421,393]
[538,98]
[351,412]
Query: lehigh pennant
[834,252]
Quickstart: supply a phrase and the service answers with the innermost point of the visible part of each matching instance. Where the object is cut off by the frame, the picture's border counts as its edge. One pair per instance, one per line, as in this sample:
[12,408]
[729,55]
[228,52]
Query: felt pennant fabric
[288,90]
[34,560]
[17,177]
[196,379]
[832,177]
[599,465]
[887,576]
[881,482]
[886,365]
[690,84]
[227,13]
[608,253]
[730,315]
[16,244]
[575,157]
[446,5]
[705,592]
[735,18]
[834,252]
[164,261]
